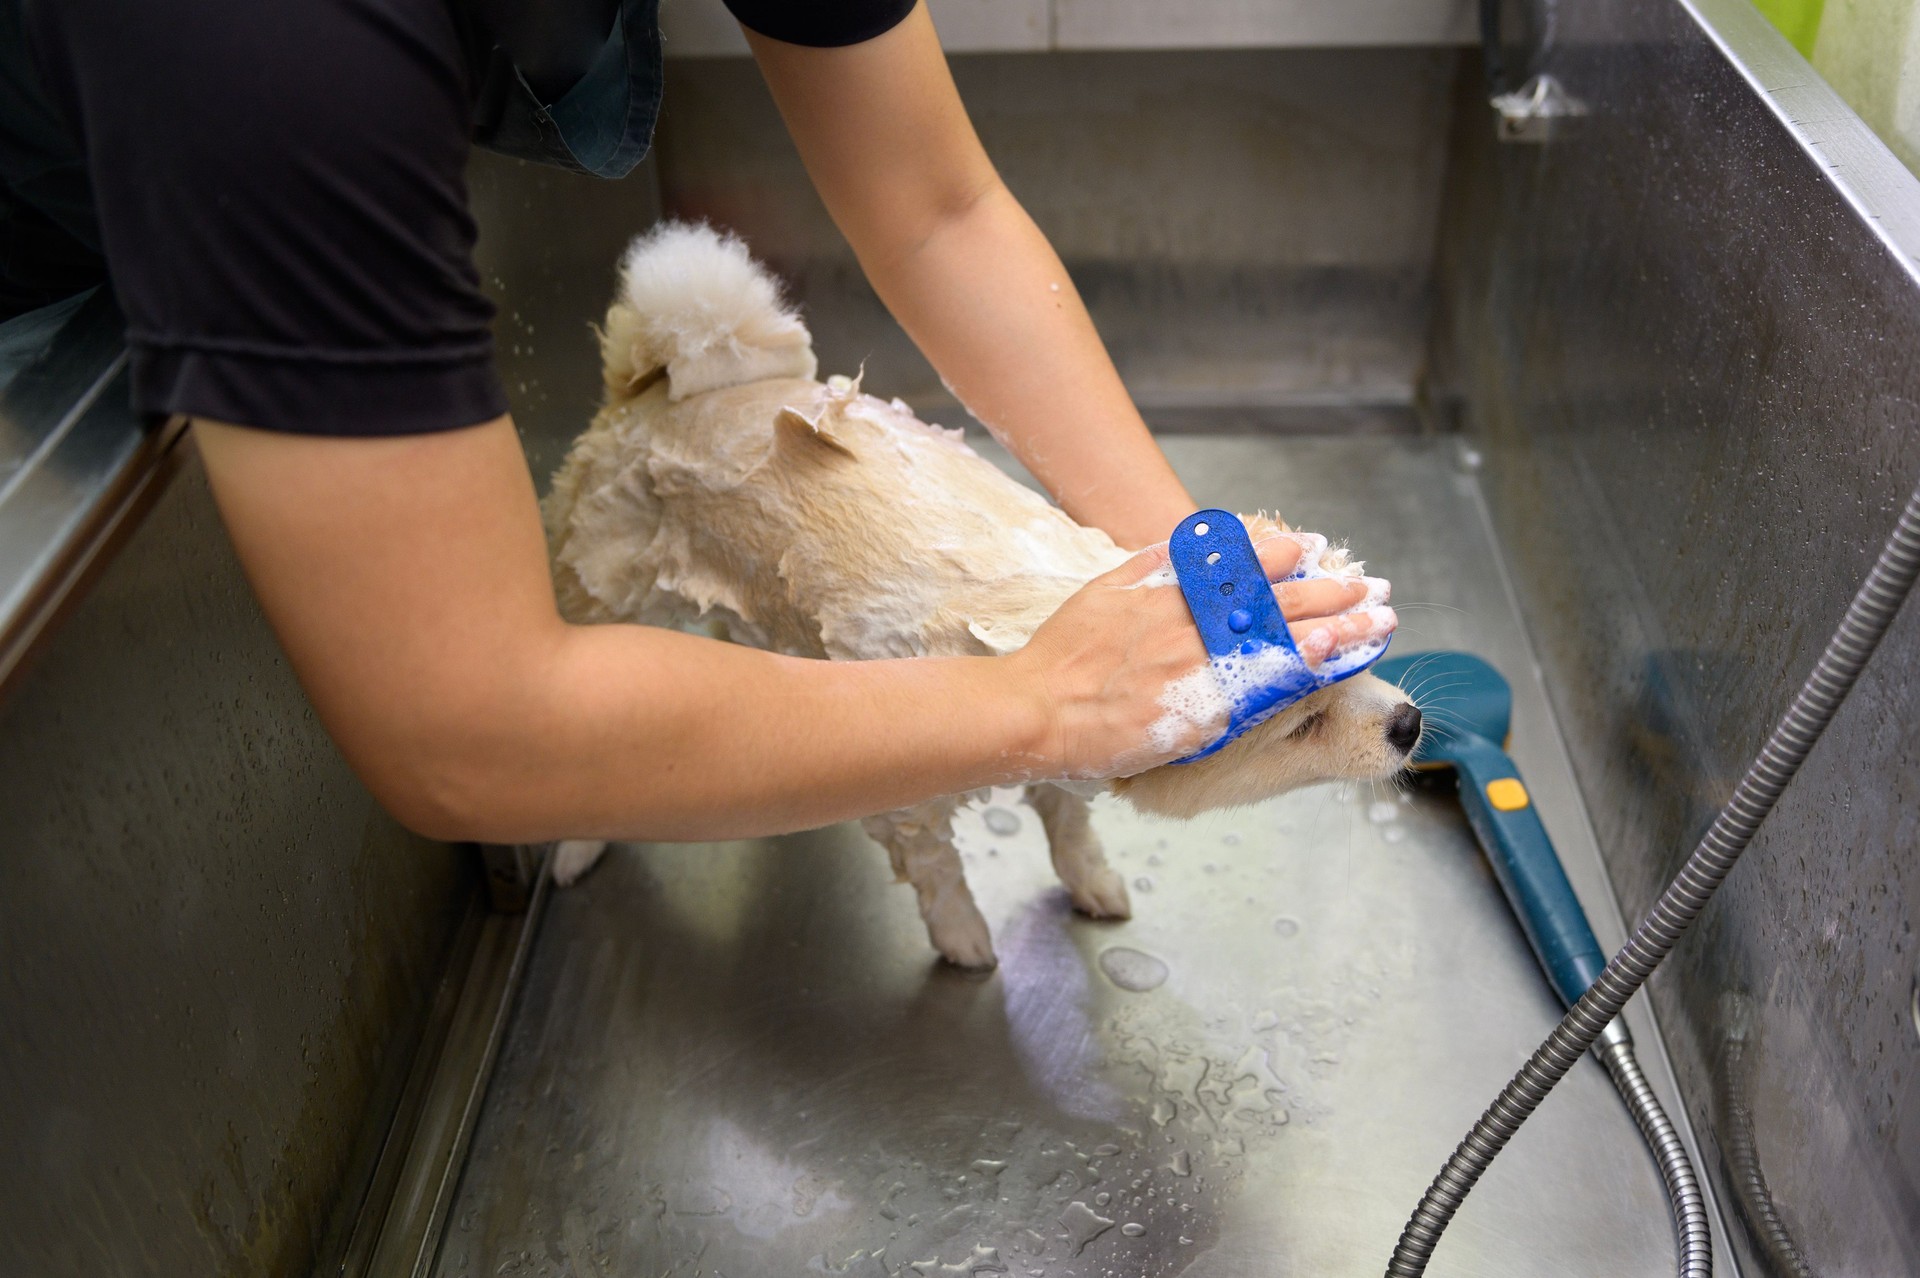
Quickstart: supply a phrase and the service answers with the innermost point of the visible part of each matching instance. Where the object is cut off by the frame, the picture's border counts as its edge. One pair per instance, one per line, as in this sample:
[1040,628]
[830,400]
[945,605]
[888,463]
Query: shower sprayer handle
[1502,814]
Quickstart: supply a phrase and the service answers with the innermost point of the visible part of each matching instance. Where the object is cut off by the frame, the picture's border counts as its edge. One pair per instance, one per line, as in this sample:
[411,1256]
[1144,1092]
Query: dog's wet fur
[723,485]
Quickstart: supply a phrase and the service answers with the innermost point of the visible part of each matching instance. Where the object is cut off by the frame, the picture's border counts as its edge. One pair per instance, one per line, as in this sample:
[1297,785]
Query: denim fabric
[603,125]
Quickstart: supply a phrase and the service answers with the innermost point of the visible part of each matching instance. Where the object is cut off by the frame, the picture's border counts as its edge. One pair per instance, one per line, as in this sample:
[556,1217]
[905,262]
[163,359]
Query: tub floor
[740,1059]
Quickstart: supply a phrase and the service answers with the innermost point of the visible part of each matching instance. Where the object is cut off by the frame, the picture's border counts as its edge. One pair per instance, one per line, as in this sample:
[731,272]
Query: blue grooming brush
[1240,622]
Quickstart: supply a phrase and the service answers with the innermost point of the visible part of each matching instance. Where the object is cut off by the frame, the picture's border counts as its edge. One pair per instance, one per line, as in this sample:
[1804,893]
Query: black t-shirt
[277,186]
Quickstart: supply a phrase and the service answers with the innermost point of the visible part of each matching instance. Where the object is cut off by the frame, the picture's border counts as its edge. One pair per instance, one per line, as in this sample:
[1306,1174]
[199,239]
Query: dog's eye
[1307,725]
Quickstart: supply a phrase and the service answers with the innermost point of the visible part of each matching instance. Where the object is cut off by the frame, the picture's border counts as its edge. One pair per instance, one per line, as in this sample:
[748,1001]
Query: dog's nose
[1403,727]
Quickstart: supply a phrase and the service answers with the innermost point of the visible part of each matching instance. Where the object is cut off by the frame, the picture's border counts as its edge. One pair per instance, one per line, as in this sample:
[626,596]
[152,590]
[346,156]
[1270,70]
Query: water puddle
[1133,969]
[1001,822]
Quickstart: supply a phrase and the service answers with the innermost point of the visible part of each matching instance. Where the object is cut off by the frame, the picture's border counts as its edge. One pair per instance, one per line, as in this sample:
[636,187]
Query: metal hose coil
[1866,621]
[1693,1239]
[1751,1194]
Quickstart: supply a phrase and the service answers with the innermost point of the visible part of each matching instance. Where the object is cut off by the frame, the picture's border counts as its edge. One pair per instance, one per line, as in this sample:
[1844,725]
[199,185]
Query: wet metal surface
[213,945]
[1251,229]
[742,1059]
[66,433]
[1686,338]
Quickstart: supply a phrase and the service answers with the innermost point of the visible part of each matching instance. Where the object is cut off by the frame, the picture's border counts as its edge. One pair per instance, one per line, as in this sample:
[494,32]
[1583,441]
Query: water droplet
[1132,1230]
[1382,812]
[1265,1020]
[1133,969]
[1286,926]
[1393,834]
[1143,884]
[1153,859]
[1002,822]
[1164,1111]
[1231,838]
[1181,1164]
[1083,1225]
[1102,1199]
[1105,1151]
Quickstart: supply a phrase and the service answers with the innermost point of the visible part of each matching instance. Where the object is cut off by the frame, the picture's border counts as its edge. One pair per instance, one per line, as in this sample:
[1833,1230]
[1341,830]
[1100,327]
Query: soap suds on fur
[1202,702]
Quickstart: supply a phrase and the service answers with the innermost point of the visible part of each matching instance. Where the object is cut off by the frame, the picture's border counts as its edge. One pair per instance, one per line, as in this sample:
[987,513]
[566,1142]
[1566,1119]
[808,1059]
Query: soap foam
[1164,575]
[1202,703]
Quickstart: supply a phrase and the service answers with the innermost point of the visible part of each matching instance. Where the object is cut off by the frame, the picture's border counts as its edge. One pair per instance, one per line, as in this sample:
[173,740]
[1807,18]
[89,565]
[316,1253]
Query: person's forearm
[631,732]
[988,301]
[407,578]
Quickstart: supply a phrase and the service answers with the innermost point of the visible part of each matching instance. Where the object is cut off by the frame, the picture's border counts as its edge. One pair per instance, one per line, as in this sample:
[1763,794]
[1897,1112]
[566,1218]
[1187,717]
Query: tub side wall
[1694,373]
[1252,230]
[214,947]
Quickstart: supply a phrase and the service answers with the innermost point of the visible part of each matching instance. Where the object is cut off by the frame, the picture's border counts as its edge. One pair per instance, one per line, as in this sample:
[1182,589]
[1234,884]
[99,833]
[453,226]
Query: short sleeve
[280,190]
[822,24]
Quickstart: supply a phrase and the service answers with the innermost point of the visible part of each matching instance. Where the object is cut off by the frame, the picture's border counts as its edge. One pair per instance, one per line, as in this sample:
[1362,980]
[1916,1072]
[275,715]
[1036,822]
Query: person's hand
[1116,659]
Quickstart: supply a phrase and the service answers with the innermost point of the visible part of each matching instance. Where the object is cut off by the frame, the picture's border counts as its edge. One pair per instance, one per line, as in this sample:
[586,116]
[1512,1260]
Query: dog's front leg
[920,843]
[574,857]
[1096,887]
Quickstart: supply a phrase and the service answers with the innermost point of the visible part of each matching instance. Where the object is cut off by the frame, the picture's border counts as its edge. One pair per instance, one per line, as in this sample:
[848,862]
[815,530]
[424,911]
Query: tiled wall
[703,28]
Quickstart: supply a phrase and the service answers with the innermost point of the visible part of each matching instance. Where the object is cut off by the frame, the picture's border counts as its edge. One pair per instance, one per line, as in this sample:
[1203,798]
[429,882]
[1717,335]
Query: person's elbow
[900,224]
[443,793]
[455,769]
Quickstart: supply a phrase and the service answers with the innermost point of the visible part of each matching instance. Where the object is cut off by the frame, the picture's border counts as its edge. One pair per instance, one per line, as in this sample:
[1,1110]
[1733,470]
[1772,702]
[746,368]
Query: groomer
[275,190]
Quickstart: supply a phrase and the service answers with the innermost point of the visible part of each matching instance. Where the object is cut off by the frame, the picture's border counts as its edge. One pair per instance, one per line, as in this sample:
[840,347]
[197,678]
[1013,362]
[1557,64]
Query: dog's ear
[804,435]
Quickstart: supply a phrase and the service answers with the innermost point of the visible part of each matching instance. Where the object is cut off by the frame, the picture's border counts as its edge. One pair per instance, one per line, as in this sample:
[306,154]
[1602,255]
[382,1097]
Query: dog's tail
[695,308]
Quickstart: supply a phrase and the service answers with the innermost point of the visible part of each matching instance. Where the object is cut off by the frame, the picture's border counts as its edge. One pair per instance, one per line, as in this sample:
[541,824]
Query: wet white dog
[722,483]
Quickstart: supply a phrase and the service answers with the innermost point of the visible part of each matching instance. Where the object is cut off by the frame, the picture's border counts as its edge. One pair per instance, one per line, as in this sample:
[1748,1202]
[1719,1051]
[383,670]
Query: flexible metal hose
[1866,620]
[1751,1196]
[1689,1205]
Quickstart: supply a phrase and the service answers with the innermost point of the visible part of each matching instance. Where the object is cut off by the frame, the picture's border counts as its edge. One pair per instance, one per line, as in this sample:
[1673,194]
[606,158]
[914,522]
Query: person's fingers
[1323,597]
[1319,639]
[1282,553]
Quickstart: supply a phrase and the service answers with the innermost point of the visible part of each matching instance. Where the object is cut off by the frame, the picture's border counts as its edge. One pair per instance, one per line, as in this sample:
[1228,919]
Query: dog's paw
[1102,895]
[574,857]
[963,940]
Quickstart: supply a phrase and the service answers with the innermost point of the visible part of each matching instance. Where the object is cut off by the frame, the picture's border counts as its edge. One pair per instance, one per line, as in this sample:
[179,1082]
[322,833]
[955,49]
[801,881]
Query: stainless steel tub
[743,1059]
[1625,413]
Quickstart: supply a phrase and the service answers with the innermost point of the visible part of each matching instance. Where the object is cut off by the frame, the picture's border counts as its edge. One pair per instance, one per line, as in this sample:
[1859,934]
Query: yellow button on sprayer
[1507,794]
